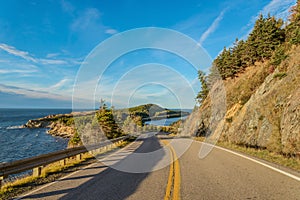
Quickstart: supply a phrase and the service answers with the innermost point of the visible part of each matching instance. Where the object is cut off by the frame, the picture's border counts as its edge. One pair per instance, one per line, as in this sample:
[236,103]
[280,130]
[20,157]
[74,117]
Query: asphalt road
[220,175]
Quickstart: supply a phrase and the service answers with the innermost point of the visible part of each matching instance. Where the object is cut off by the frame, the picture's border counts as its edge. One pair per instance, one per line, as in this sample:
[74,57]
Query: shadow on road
[109,184]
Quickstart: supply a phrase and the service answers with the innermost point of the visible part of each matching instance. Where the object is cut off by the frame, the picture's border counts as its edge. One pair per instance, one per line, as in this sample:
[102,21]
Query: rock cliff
[263,108]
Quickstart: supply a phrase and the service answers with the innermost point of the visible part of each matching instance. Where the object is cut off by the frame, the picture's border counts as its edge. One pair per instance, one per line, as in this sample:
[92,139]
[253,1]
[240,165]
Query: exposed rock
[290,125]
[61,130]
[270,117]
[55,125]
[37,123]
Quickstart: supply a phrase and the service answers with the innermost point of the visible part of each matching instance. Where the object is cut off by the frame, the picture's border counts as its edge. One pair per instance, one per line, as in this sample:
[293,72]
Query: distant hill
[152,112]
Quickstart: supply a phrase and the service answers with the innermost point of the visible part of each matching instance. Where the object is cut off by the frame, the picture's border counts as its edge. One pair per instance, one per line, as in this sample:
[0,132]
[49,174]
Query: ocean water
[164,122]
[17,143]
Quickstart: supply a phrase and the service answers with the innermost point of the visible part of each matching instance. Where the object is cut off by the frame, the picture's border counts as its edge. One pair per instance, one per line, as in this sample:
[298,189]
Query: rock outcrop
[61,130]
[268,116]
[61,125]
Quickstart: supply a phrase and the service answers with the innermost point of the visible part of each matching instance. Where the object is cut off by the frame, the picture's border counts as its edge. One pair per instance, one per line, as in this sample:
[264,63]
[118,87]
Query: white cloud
[111,31]
[88,24]
[60,84]
[212,27]
[87,19]
[67,7]
[32,93]
[12,50]
[18,69]
[10,71]
[51,55]
[52,62]
[279,8]
[43,61]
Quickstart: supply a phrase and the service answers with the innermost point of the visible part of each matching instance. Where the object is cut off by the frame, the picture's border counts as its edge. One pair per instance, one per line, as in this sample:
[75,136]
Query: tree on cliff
[265,37]
[293,29]
[204,87]
[106,121]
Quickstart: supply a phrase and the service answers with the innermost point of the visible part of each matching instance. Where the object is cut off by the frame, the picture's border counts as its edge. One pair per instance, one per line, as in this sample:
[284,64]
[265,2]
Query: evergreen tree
[293,29]
[204,87]
[266,36]
[106,121]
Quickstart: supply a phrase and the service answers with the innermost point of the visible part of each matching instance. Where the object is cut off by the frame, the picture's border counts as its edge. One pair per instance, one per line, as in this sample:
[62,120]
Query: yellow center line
[174,176]
[170,179]
[176,191]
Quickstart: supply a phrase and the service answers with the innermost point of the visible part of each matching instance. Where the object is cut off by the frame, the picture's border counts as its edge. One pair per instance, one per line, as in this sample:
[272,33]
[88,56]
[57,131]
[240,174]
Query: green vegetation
[204,87]
[280,75]
[293,29]
[75,140]
[278,56]
[269,39]
[115,123]
[69,121]
[107,123]
[153,111]
[265,37]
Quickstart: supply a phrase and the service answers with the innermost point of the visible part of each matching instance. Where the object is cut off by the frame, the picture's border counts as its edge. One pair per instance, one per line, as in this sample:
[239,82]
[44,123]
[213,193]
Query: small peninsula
[63,125]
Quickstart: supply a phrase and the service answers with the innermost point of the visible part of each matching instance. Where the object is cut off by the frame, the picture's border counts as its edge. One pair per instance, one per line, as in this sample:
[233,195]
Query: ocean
[164,122]
[17,143]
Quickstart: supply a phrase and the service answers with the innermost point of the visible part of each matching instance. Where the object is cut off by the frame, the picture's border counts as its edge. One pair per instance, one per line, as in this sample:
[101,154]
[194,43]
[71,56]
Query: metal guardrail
[18,166]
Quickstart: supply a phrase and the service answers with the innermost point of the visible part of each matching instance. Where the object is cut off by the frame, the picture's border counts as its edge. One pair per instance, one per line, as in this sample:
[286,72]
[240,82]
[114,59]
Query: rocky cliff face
[263,108]
[61,130]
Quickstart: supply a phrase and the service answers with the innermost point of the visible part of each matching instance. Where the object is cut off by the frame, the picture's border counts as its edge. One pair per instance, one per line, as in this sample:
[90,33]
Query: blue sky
[43,44]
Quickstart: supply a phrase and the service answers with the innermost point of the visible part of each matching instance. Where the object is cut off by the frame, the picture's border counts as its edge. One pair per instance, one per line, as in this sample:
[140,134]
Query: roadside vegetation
[264,154]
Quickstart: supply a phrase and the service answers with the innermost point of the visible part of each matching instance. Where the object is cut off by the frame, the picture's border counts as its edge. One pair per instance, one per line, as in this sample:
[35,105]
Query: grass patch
[280,75]
[290,162]
[51,173]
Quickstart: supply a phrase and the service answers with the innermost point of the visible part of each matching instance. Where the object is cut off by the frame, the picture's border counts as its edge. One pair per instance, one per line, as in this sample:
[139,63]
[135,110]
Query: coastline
[62,125]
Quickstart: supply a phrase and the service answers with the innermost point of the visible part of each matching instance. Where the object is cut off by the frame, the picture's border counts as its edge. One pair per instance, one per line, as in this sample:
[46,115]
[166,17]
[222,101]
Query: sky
[47,49]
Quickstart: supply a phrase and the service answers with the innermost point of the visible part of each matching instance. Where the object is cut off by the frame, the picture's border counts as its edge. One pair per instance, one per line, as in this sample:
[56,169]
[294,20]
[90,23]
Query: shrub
[280,75]
[278,56]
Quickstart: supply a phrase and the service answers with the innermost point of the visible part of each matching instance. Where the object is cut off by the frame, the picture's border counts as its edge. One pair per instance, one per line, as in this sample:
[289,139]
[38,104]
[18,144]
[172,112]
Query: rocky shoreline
[55,125]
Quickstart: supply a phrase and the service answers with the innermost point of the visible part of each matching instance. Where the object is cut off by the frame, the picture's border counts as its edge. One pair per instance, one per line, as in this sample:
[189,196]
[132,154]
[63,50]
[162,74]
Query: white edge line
[256,161]
[60,179]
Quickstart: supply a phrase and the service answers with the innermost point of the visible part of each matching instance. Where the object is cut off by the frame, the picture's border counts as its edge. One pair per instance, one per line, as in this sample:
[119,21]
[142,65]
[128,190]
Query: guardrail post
[1,180]
[78,157]
[63,162]
[37,171]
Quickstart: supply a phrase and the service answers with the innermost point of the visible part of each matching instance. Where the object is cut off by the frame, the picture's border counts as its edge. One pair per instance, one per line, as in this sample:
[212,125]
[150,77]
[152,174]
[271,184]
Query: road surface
[220,175]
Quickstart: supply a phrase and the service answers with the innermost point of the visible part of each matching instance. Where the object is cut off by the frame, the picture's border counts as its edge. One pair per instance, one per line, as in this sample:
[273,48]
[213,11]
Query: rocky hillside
[263,108]
[261,77]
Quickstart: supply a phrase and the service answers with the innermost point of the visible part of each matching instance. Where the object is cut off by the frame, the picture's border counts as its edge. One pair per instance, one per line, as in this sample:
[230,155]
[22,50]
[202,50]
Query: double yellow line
[174,176]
